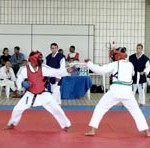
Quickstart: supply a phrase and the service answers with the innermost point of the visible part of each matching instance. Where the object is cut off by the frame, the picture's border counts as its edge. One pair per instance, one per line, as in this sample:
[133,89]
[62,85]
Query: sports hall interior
[125,22]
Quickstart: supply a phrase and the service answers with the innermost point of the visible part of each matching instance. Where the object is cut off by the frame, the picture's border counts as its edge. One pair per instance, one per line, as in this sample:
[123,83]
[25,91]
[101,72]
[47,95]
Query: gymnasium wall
[122,21]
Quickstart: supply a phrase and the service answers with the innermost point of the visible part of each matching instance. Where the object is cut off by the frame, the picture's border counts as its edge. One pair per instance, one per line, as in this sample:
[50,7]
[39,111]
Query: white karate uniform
[8,78]
[118,93]
[44,99]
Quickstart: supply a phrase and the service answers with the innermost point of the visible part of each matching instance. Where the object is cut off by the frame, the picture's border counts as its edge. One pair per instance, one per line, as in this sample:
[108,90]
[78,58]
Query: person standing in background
[55,60]
[16,59]
[141,67]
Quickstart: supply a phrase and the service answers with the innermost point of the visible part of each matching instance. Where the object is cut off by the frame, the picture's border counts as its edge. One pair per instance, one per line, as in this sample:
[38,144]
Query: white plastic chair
[7,88]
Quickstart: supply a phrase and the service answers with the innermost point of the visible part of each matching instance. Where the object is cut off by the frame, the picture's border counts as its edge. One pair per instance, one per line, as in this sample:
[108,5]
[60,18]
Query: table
[74,87]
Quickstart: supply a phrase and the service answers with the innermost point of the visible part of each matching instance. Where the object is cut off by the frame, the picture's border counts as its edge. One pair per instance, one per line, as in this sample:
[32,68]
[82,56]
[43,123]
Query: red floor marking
[38,129]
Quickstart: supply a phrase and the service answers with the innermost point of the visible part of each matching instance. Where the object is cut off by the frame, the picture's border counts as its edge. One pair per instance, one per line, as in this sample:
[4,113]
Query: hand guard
[26,84]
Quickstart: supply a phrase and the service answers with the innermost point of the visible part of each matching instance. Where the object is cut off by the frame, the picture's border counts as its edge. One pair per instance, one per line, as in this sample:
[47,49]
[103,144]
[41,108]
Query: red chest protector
[76,56]
[37,81]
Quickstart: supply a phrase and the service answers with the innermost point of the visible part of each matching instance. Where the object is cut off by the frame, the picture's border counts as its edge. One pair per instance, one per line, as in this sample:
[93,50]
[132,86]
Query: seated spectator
[72,56]
[62,52]
[7,76]
[16,59]
[5,57]
[24,63]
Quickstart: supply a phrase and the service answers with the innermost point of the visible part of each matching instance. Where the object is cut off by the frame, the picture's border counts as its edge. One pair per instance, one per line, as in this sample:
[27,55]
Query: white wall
[122,21]
[39,37]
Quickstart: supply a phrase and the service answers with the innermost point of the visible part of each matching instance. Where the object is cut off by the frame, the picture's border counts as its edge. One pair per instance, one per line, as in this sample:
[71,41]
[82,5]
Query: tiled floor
[81,101]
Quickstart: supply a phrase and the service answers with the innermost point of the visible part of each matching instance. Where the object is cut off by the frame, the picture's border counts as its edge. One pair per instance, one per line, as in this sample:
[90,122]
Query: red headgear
[36,57]
[118,54]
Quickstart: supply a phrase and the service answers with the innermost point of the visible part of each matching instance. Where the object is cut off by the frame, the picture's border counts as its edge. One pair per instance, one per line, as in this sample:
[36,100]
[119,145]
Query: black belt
[33,100]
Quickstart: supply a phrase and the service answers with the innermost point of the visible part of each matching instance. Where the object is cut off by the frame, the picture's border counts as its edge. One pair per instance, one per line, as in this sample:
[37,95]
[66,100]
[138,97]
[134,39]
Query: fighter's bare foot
[9,127]
[147,133]
[91,132]
[67,129]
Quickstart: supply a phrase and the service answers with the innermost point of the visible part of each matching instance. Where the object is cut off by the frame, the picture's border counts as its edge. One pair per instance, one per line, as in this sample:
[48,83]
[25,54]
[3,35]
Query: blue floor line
[145,109]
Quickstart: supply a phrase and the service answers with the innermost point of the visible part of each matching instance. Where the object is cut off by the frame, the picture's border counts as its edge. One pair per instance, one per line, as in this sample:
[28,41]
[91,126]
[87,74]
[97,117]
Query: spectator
[24,63]
[62,52]
[7,76]
[72,56]
[16,59]
[55,60]
[5,57]
[141,68]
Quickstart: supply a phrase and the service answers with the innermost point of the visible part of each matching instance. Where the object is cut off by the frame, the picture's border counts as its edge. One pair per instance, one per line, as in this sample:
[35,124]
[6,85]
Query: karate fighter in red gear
[36,95]
[120,91]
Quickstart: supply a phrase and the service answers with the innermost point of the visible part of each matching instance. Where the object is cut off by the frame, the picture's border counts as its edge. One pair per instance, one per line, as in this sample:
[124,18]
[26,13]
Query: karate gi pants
[119,94]
[141,90]
[44,99]
[56,92]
